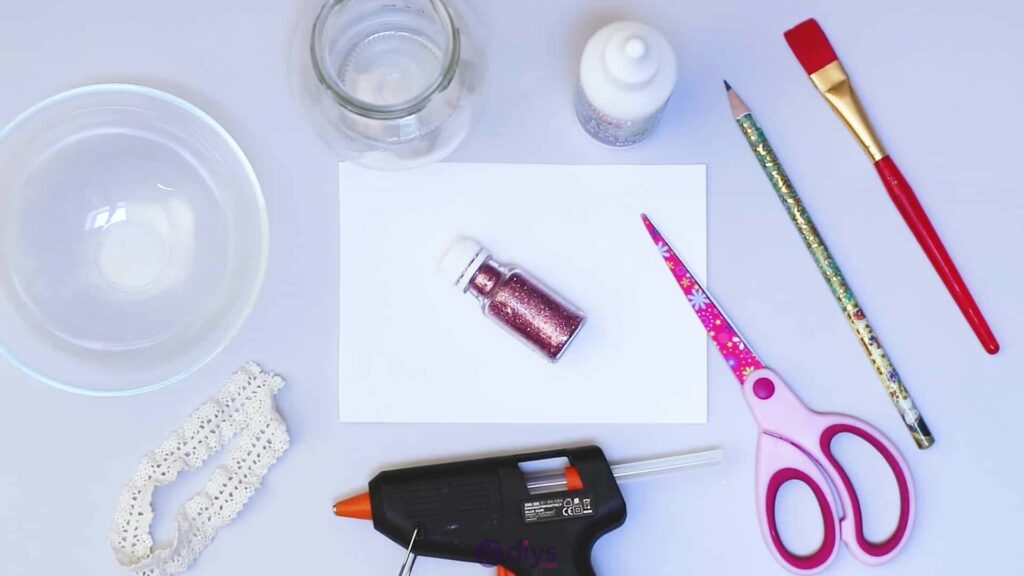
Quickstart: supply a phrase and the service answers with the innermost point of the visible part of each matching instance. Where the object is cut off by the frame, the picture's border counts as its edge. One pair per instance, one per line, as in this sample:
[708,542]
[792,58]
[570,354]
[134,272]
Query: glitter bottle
[523,306]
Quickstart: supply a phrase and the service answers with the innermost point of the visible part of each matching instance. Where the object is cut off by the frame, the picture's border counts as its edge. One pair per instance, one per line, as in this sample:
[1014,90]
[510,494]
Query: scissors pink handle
[795,444]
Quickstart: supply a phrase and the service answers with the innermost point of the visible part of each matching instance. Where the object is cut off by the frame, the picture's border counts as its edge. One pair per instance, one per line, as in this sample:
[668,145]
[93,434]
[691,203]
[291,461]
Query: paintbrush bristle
[811,46]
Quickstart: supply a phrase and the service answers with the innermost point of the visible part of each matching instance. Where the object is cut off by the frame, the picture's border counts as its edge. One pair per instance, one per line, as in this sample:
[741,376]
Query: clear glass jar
[393,81]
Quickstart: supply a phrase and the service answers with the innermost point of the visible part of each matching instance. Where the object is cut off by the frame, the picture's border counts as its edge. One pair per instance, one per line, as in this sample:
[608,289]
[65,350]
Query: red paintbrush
[815,53]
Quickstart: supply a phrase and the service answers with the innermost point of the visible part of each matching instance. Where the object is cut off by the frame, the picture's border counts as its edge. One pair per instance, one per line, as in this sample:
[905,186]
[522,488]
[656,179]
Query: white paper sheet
[415,349]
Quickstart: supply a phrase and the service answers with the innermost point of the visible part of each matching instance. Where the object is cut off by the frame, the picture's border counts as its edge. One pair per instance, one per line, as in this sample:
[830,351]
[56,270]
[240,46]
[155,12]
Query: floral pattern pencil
[830,271]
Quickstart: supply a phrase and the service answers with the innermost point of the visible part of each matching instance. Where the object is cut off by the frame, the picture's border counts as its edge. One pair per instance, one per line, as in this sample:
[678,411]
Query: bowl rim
[257,192]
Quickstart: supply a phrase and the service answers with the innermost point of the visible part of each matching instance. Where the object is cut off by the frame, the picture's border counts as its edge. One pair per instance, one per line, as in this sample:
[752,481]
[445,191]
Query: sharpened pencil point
[727,86]
[736,104]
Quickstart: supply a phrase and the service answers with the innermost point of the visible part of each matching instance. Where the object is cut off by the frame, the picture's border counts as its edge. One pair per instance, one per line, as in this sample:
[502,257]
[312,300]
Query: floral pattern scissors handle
[795,444]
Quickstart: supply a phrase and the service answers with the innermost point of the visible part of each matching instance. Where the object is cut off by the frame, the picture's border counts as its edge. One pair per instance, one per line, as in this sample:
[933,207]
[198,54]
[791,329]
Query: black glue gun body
[482,511]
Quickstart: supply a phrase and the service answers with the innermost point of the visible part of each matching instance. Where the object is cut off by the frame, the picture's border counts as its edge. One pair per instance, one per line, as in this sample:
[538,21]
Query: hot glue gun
[491,512]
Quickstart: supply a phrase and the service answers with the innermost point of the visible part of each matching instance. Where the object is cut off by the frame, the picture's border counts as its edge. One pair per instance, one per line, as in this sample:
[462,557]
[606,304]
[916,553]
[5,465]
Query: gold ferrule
[834,85]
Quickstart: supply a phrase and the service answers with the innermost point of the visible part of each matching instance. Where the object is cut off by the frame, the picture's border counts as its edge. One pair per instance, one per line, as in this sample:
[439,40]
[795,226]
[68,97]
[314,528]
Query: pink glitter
[526,308]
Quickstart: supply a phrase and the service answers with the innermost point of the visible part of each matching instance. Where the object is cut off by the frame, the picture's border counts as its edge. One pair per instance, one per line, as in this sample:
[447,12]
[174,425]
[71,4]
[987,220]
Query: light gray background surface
[940,80]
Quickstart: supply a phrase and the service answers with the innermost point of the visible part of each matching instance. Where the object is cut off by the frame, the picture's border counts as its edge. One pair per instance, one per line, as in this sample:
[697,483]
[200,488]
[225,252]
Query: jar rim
[367,109]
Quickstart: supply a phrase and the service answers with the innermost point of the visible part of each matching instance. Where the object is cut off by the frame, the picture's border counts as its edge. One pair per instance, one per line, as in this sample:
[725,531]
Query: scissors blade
[738,355]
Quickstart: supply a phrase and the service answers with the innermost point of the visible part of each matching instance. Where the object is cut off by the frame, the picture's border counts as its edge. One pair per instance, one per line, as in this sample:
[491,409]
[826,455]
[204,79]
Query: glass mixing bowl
[133,239]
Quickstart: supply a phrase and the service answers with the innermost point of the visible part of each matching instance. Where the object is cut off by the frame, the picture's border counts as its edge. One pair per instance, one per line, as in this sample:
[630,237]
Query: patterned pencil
[830,271]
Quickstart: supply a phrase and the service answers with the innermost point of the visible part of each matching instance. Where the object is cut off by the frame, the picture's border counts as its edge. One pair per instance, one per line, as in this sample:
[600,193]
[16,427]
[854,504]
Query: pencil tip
[727,86]
[736,105]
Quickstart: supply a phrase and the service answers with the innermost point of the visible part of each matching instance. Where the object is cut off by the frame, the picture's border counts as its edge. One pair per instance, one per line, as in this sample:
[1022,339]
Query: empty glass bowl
[133,239]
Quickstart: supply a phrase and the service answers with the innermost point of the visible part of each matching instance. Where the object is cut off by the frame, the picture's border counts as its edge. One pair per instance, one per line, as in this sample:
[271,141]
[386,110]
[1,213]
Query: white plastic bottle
[627,74]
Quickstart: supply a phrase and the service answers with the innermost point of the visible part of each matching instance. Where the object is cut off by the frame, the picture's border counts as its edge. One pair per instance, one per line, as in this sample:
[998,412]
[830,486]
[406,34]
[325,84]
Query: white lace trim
[246,406]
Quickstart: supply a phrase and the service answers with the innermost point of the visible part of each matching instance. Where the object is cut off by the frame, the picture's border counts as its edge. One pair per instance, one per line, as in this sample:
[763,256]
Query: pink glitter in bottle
[526,308]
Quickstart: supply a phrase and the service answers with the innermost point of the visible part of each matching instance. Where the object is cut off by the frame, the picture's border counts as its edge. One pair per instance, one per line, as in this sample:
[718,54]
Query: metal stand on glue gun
[489,512]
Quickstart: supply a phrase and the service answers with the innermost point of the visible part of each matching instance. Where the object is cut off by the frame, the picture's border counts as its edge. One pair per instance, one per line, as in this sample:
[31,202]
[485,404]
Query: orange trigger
[573,481]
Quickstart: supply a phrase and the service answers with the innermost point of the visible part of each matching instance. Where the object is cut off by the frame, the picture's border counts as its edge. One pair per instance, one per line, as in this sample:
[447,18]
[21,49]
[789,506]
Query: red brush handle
[906,201]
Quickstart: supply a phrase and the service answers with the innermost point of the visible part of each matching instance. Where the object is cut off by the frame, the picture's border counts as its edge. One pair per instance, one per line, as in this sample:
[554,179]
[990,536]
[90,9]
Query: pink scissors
[795,443]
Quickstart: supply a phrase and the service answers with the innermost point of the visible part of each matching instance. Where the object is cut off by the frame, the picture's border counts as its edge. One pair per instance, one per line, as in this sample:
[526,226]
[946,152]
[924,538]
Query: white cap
[628,70]
[462,261]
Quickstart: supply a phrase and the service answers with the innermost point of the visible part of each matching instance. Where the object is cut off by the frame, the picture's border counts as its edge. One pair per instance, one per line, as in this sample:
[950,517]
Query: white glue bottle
[627,74]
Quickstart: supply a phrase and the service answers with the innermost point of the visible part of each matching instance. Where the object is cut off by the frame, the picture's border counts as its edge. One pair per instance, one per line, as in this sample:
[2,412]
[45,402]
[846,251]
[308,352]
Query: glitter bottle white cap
[627,74]
[462,261]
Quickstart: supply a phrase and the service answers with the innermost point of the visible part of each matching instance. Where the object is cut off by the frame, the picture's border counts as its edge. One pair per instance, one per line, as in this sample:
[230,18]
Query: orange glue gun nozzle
[355,507]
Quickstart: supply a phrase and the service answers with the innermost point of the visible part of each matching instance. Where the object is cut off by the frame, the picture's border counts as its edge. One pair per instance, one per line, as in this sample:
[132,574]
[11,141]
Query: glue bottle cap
[462,261]
[628,70]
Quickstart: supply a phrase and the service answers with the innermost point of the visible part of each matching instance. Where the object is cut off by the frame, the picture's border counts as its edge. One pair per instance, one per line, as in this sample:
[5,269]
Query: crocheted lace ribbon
[245,406]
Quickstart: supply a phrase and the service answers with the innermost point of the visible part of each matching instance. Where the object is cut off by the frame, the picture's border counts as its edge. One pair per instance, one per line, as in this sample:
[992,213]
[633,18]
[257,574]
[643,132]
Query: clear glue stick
[541,319]
[627,74]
